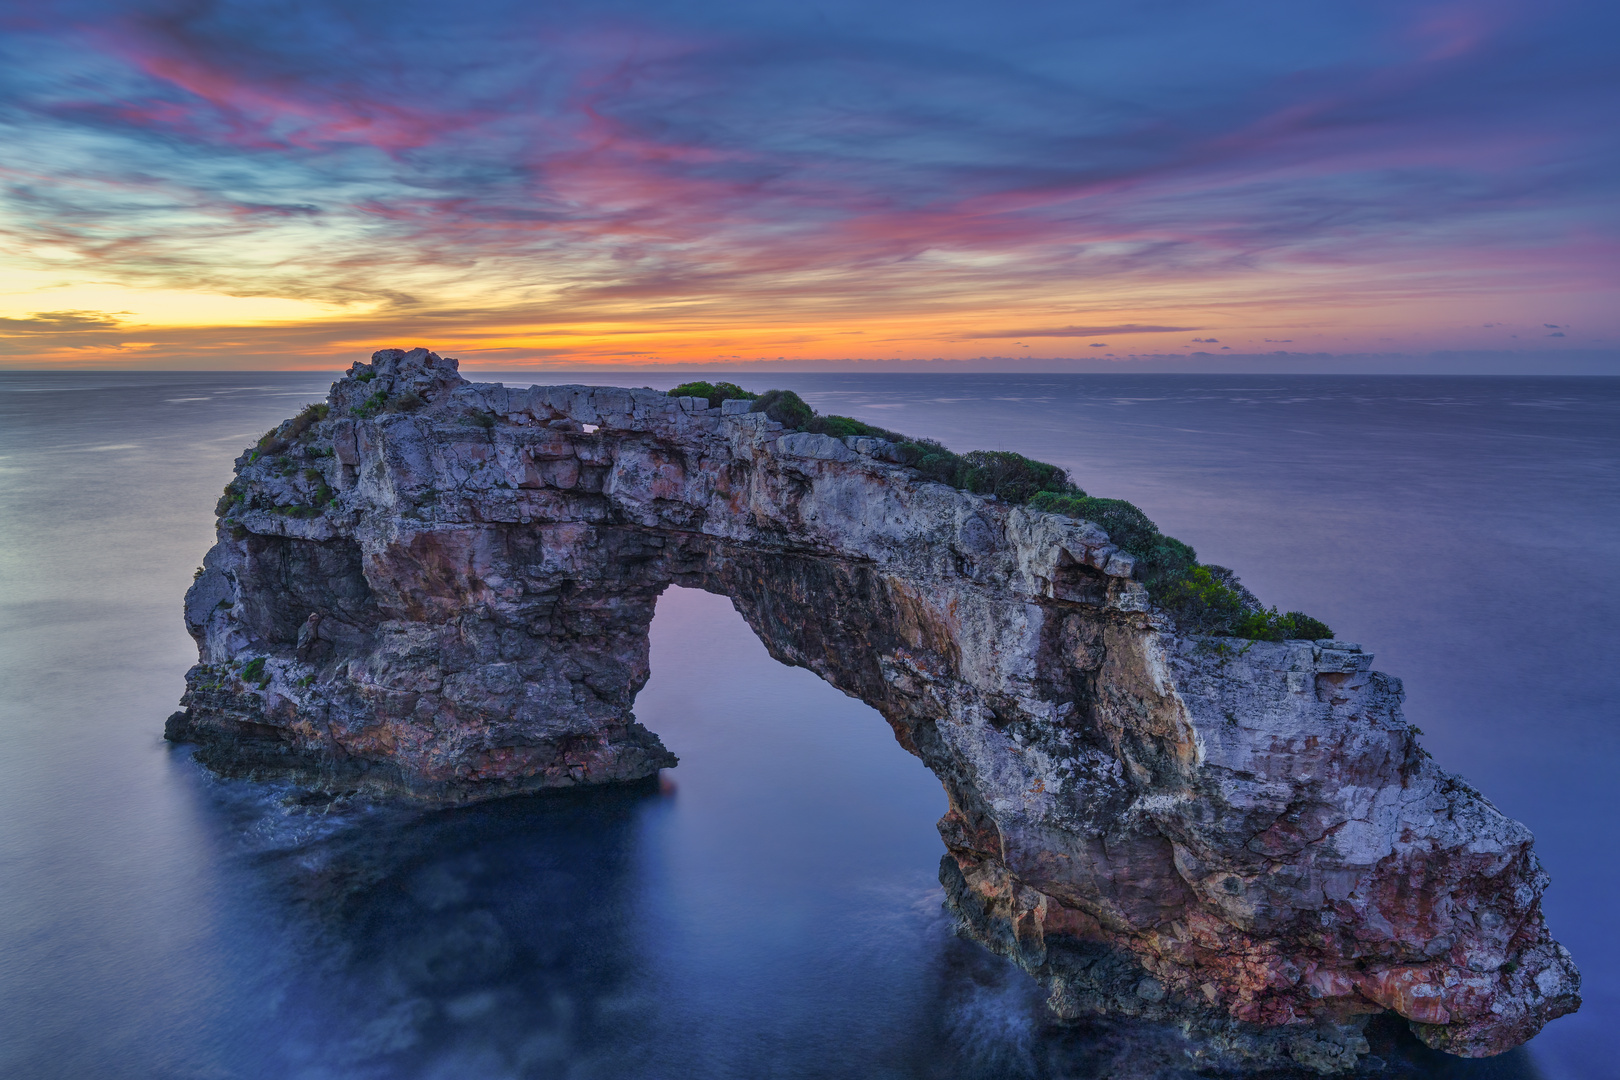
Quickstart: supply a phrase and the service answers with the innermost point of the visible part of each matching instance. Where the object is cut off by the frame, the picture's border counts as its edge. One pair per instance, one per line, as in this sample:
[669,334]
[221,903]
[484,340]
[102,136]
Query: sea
[770,908]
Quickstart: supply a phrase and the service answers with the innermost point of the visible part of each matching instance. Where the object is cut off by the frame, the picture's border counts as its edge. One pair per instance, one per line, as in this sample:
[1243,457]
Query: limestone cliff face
[444,589]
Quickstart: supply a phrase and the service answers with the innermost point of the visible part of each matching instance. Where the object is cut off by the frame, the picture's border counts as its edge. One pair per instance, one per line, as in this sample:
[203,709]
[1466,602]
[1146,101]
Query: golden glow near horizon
[156,308]
[100,324]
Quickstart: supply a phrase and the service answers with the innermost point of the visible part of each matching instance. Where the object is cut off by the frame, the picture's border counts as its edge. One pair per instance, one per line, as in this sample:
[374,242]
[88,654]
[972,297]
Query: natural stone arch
[1157,825]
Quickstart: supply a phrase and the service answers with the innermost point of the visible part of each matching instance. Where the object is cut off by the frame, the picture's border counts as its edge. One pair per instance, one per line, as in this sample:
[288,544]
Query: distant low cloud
[64,334]
[58,322]
[1086,331]
[1207,340]
[1559,333]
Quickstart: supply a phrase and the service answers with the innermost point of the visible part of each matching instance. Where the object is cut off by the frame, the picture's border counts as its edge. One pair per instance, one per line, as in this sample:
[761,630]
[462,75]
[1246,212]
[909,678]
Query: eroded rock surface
[444,589]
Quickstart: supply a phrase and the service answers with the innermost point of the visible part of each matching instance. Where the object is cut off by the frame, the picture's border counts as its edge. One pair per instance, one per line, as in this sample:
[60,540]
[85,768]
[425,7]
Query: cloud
[1083,331]
[707,168]
[58,322]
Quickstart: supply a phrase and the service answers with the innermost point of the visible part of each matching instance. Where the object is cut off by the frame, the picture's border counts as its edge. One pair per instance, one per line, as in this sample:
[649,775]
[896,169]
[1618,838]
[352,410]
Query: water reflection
[496,940]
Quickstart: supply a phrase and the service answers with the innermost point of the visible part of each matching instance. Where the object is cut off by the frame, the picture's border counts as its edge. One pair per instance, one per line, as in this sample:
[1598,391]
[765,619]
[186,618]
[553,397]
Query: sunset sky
[283,184]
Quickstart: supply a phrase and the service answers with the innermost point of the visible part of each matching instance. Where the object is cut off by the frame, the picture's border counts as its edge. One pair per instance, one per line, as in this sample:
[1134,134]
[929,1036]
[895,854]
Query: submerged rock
[443,590]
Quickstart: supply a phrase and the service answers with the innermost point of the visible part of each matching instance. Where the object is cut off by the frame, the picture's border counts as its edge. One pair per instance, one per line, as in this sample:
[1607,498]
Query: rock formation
[443,589]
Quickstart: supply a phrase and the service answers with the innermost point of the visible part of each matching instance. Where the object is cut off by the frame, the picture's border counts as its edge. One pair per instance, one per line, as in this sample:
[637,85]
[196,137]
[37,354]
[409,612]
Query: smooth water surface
[771,910]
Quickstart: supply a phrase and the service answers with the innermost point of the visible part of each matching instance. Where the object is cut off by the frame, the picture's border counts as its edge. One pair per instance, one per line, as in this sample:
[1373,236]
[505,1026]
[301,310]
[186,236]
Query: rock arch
[444,589]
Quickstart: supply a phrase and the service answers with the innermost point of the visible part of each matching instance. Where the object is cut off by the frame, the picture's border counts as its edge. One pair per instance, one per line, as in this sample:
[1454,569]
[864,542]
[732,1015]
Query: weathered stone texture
[1241,836]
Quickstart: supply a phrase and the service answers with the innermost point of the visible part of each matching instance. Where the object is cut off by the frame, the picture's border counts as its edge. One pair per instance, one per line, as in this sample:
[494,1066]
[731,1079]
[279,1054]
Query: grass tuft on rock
[229,499]
[282,435]
[372,405]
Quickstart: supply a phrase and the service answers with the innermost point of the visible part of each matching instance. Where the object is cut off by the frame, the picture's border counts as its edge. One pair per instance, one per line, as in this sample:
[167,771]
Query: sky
[281,184]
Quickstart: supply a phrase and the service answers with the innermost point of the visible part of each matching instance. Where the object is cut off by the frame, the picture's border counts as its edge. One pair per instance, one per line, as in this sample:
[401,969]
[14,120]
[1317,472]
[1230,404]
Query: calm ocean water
[773,911]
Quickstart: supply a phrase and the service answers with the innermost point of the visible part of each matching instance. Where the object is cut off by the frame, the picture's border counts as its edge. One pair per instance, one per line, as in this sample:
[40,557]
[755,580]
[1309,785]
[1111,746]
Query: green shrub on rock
[1203,599]
[791,411]
[1001,473]
[931,459]
[785,407]
[1206,602]
[1011,476]
[714,392]
[1160,559]
[1269,626]
[840,427]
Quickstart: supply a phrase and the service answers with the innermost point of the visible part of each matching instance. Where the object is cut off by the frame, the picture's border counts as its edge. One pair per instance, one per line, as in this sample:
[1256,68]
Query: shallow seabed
[771,909]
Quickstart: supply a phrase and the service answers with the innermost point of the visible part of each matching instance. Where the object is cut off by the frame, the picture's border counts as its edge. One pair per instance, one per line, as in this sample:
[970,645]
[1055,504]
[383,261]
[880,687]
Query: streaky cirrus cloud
[718,179]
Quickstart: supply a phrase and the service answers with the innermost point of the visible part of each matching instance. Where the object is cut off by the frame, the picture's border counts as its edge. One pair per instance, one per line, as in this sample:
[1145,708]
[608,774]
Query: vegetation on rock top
[279,452]
[283,434]
[715,392]
[1203,599]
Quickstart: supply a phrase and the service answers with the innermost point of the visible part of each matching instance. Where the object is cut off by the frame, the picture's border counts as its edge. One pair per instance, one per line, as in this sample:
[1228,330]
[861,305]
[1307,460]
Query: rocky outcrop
[443,589]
